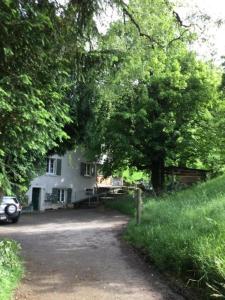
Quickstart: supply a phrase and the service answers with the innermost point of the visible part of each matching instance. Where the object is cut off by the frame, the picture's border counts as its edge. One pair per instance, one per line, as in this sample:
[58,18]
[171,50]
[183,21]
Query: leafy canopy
[155,96]
[41,48]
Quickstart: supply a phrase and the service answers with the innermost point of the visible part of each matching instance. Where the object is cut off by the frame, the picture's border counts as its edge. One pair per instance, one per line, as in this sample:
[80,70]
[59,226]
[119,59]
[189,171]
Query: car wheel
[11,209]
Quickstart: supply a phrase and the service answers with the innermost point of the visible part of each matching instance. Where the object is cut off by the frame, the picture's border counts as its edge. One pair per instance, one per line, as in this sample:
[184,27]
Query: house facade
[68,179]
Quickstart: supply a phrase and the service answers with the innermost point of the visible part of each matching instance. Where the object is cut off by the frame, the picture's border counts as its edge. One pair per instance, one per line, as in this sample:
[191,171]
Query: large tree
[154,95]
[43,61]
[42,45]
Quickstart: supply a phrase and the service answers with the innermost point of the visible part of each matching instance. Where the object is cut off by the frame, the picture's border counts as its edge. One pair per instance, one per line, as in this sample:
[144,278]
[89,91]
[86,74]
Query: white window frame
[62,195]
[51,166]
[88,167]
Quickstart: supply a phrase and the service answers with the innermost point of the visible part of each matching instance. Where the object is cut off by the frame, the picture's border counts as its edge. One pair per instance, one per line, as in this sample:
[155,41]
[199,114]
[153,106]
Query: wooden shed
[185,175]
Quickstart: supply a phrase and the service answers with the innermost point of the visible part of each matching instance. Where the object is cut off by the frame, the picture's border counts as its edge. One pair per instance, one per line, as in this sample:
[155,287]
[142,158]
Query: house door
[36,198]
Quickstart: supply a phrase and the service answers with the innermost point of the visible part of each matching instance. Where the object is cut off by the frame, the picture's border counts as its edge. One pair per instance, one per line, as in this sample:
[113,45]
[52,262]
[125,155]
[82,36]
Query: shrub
[10,268]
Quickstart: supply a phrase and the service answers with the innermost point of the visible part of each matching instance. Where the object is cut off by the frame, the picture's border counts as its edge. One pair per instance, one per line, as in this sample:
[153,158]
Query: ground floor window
[59,195]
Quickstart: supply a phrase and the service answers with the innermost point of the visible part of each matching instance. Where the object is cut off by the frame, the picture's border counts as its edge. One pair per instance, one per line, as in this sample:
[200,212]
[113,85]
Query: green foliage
[156,97]
[42,53]
[46,64]
[33,83]
[133,176]
[125,204]
[11,269]
[183,233]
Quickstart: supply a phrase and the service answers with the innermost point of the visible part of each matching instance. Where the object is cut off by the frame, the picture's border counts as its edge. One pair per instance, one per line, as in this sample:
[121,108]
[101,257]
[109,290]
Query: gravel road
[79,255]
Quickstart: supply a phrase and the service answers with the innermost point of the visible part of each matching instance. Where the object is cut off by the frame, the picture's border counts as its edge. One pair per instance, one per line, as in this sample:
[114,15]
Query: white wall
[70,178]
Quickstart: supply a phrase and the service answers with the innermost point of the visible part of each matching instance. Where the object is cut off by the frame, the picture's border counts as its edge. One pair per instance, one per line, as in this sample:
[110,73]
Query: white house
[68,179]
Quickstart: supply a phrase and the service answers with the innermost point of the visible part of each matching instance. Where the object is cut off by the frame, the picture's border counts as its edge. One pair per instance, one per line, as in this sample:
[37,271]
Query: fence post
[139,207]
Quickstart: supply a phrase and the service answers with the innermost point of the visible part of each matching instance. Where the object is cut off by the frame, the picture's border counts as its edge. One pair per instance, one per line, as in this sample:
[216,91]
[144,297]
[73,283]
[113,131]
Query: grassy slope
[184,232]
[11,269]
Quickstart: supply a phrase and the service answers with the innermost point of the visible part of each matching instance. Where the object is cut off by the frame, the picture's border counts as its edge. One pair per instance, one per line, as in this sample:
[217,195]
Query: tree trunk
[158,178]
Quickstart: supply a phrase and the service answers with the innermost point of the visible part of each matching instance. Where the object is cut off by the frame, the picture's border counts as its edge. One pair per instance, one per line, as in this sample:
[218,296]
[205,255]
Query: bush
[10,268]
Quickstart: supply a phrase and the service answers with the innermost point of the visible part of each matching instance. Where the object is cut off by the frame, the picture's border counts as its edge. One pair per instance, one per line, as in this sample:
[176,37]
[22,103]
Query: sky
[216,36]
[214,46]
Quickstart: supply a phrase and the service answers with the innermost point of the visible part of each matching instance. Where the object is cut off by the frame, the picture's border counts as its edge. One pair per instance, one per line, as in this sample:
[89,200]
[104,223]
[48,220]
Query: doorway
[36,198]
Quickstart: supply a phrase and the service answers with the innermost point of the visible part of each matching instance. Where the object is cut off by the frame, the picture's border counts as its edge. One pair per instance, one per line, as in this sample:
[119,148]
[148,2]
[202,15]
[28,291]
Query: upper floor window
[87,169]
[53,166]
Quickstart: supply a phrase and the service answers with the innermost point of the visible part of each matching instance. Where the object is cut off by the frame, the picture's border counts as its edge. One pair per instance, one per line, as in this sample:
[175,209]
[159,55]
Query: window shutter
[93,170]
[69,195]
[58,166]
[55,195]
[47,162]
[82,169]
[48,197]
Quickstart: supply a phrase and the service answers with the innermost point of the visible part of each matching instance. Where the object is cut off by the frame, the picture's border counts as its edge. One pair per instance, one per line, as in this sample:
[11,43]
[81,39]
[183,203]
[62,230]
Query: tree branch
[135,23]
[177,38]
[153,41]
[179,21]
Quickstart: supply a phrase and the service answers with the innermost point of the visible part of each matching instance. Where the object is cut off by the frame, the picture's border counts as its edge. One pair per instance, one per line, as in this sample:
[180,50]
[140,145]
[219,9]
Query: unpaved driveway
[78,255]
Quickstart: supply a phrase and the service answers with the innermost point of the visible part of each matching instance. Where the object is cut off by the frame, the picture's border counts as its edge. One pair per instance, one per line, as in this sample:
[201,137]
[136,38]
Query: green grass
[184,233]
[125,204]
[11,269]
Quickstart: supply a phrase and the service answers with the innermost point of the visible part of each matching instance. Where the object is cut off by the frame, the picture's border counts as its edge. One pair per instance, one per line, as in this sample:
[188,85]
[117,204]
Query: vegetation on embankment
[11,269]
[125,204]
[184,233]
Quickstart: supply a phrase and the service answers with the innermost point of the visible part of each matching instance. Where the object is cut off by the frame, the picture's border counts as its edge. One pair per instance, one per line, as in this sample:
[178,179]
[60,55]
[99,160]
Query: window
[51,166]
[87,169]
[59,195]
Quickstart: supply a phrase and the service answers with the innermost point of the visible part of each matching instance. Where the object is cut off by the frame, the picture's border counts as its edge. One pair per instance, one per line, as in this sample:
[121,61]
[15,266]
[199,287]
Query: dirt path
[77,255]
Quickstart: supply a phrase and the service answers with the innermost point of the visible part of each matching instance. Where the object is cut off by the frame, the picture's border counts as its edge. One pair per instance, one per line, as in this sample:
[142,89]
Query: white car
[10,209]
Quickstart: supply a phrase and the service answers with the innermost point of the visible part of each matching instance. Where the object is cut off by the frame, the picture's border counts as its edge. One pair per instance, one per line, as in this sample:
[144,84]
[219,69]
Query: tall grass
[184,233]
[10,268]
[125,204]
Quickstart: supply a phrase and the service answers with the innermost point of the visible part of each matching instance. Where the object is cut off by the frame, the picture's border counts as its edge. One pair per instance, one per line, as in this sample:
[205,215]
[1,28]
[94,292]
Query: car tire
[11,210]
